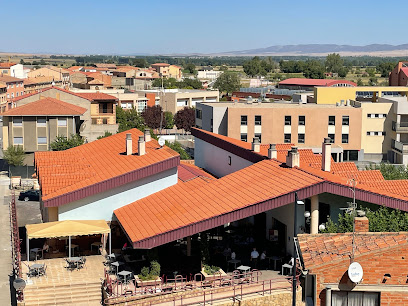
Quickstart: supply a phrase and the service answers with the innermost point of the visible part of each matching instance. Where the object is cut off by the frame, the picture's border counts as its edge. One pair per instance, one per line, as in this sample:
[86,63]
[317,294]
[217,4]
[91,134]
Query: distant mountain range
[321,49]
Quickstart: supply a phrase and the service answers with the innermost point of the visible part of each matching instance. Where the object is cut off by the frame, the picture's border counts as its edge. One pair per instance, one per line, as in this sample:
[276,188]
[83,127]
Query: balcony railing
[400,127]
[397,145]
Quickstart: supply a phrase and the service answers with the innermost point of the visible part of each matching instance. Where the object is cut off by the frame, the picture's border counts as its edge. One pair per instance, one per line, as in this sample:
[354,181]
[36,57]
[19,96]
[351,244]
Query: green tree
[386,68]
[169,119]
[360,82]
[190,67]
[334,63]
[128,119]
[62,143]
[107,134]
[371,71]
[22,62]
[343,72]
[153,115]
[176,146]
[314,70]
[140,62]
[373,81]
[391,172]
[14,155]
[223,68]
[228,82]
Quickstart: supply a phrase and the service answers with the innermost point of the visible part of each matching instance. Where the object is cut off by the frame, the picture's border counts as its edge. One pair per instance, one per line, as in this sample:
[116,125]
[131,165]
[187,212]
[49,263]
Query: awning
[67,228]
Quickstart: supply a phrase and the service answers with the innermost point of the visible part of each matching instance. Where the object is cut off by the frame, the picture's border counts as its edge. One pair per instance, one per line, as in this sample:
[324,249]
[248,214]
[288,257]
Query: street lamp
[297,202]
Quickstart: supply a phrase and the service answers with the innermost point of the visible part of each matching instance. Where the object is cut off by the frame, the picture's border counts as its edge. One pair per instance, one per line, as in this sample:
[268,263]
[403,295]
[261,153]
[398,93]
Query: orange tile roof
[187,172]
[9,79]
[96,166]
[46,107]
[7,65]
[40,80]
[96,96]
[182,204]
[161,64]
[322,249]
[51,88]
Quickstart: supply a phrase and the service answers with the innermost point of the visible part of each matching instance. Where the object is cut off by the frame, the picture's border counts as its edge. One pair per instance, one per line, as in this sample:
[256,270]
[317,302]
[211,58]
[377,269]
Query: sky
[192,26]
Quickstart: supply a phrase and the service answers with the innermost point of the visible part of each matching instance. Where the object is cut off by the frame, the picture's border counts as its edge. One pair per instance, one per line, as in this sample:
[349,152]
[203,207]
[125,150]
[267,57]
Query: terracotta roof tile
[320,249]
[9,79]
[64,172]
[46,107]
[96,96]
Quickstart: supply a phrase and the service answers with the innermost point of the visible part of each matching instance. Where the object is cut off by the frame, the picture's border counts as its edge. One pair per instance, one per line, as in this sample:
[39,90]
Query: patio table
[117,264]
[125,274]
[36,268]
[74,261]
[235,262]
[36,251]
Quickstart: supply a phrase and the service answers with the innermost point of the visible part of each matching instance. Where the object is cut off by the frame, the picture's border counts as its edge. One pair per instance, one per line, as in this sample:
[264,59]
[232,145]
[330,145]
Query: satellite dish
[355,272]
[161,141]
[19,284]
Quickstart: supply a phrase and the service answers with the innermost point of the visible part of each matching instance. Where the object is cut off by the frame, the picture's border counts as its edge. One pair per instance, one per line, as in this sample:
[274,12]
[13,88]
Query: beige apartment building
[173,100]
[35,125]
[57,73]
[302,124]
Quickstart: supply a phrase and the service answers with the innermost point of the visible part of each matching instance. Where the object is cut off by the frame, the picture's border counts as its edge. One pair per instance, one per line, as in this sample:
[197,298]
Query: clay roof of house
[188,171]
[96,96]
[46,107]
[321,249]
[91,168]
[74,68]
[7,64]
[126,68]
[103,65]
[161,64]
[185,209]
[314,82]
[40,80]
[9,79]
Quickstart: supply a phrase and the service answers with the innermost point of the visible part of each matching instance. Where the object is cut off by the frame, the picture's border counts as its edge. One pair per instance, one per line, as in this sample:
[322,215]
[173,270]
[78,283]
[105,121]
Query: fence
[25,172]
[239,284]
[15,243]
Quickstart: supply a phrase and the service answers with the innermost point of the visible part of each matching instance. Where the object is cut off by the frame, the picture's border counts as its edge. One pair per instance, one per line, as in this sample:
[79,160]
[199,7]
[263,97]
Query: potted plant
[212,272]
[148,277]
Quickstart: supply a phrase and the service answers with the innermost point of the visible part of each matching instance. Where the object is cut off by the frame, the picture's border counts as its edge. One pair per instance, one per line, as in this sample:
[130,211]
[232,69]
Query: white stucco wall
[215,160]
[102,205]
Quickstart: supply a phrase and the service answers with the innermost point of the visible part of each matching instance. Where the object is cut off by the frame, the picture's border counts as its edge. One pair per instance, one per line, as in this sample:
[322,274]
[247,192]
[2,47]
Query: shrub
[211,269]
[147,274]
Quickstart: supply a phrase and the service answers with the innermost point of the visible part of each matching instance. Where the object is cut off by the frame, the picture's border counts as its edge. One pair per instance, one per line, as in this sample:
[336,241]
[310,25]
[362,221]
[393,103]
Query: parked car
[29,195]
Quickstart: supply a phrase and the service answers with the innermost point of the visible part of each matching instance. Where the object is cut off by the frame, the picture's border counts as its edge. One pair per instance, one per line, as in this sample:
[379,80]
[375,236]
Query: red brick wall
[392,260]
[361,224]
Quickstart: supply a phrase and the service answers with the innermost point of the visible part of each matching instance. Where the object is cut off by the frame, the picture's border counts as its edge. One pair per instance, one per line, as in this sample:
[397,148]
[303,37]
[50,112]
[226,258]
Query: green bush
[211,269]
[153,273]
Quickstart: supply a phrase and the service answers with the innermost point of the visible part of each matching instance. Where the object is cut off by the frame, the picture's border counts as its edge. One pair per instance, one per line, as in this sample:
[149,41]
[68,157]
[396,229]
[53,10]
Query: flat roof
[273,105]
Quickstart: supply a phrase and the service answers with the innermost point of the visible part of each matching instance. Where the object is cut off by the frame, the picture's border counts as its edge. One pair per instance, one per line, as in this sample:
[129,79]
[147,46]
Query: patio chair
[288,266]
[42,271]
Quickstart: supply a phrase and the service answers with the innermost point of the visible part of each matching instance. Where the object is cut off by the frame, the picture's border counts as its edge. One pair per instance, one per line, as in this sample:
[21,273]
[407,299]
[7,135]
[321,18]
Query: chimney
[293,159]
[129,144]
[326,155]
[141,146]
[256,145]
[147,136]
[272,152]
[361,224]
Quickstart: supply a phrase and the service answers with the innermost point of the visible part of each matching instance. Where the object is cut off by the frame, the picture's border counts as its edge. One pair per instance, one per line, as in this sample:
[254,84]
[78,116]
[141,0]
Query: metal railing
[396,145]
[240,284]
[15,243]
[400,127]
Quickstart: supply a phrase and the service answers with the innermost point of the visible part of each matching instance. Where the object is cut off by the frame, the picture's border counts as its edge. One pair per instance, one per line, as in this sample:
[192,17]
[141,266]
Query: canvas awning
[67,228]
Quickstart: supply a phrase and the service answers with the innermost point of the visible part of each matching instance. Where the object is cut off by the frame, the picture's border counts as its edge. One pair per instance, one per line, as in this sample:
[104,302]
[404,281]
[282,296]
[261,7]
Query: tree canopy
[228,82]
[62,143]
[128,119]
[334,63]
[170,83]
[152,116]
[258,67]
[14,155]
[185,118]
[107,134]
[176,146]
[314,70]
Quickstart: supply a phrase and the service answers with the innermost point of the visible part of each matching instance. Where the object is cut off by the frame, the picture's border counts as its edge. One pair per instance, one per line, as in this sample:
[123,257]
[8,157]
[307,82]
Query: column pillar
[314,214]
[189,246]
[328,296]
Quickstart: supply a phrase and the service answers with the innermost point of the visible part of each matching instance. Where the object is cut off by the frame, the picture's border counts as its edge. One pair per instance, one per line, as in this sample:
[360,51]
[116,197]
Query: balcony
[399,146]
[401,127]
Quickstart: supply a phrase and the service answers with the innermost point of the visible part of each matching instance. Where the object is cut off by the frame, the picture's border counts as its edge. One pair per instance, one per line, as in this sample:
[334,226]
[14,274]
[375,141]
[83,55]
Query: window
[258,120]
[288,120]
[384,133]
[344,138]
[18,140]
[105,108]
[244,120]
[244,137]
[258,135]
[12,85]
[199,114]
[62,121]
[41,122]
[302,120]
[42,140]
[287,138]
[355,298]
[385,115]
[375,133]
[301,138]
[17,84]
[21,93]
[16,94]
[331,136]
[229,160]
[346,120]
[8,96]
[17,121]
[12,95]
[377,115]
[104,120]
[332,120]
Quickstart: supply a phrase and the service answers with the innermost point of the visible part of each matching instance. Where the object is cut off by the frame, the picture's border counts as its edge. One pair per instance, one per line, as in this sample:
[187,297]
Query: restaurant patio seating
[288,266]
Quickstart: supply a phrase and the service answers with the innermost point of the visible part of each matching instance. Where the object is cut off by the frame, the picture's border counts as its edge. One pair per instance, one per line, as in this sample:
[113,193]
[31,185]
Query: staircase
[85,293]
